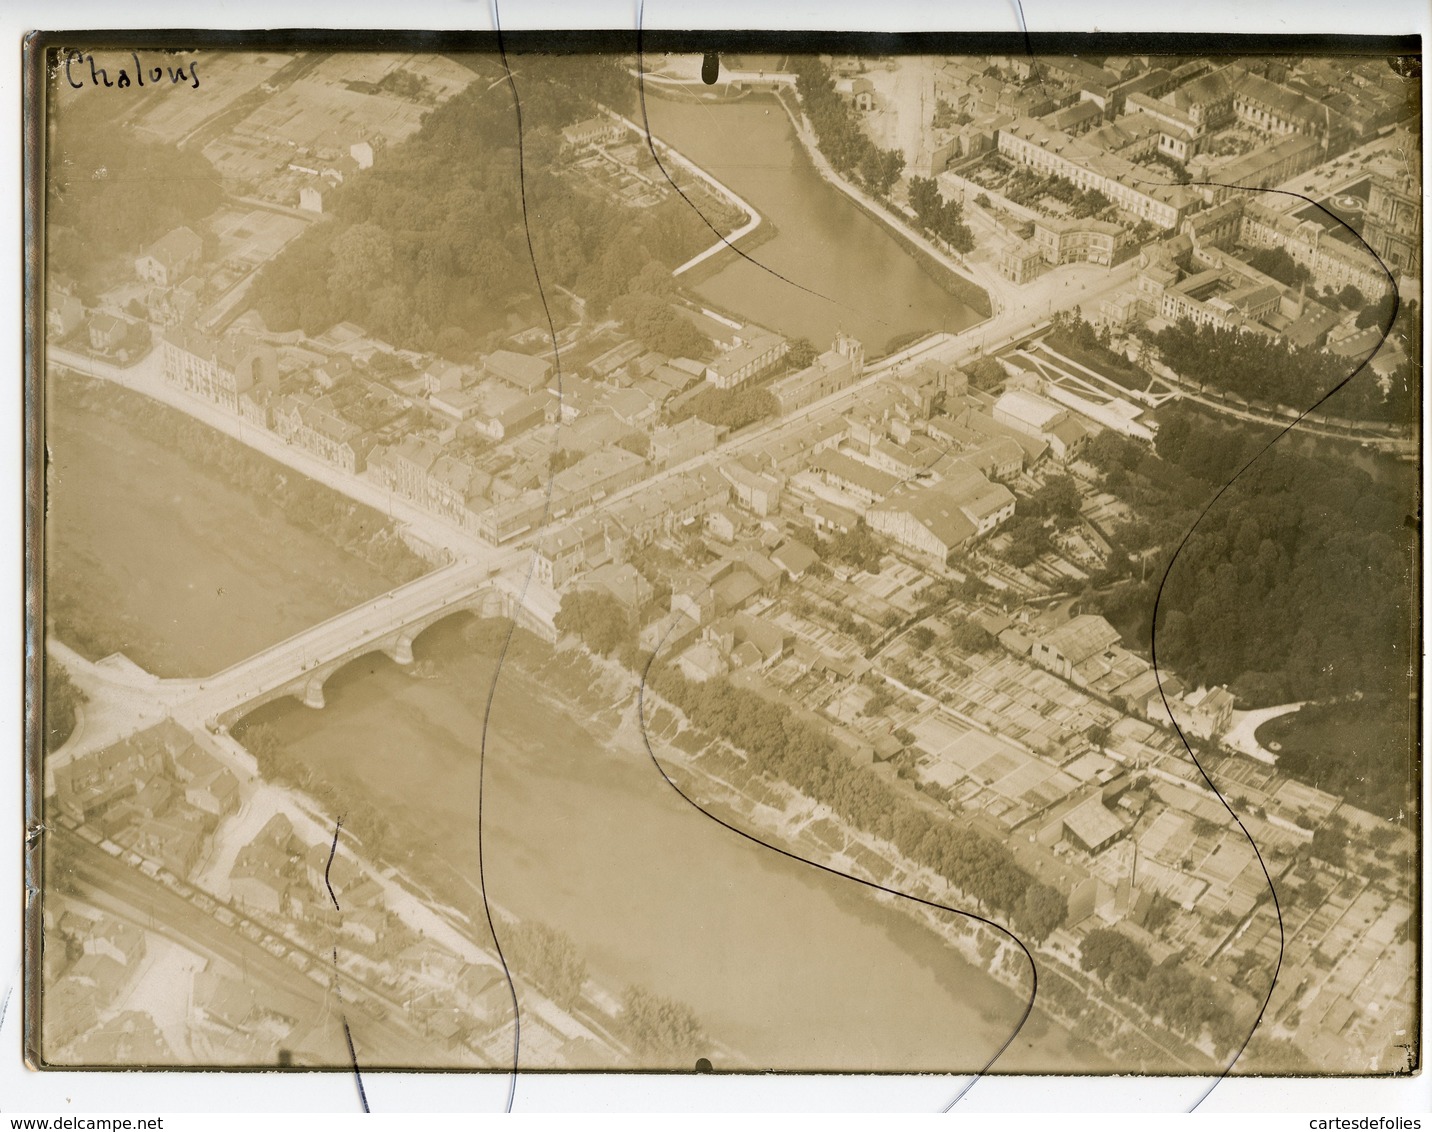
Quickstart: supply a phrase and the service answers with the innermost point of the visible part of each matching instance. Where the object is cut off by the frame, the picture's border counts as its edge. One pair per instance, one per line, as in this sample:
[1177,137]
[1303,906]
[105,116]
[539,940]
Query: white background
[22,1090]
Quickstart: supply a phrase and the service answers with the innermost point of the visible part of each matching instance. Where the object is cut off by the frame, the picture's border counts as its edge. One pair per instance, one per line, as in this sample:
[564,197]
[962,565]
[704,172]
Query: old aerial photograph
[801,562]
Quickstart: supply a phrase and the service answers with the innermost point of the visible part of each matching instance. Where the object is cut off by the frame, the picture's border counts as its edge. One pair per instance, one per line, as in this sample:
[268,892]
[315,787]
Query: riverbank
[938,265]
[179,570]
[716,778]
[1066,1011]
[581,833]
[832,266]
[753,220]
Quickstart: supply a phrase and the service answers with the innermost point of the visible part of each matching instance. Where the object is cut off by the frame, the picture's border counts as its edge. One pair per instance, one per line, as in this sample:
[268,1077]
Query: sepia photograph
[626,554]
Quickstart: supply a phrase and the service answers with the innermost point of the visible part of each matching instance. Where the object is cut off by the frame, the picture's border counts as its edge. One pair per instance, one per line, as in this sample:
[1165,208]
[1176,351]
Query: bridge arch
[307,686]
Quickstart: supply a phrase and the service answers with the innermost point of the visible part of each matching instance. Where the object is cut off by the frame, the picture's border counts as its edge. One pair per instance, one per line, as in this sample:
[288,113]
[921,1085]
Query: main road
[130,696]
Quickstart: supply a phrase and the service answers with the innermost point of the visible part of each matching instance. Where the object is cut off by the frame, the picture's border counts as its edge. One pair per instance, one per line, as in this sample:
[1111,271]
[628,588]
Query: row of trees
[1270,371]
[938,216]
[365,820]
[784,746]
[837,130]
[1166,991]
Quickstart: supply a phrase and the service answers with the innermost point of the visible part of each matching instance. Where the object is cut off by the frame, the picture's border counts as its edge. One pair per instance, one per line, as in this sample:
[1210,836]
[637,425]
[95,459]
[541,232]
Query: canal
[821,262]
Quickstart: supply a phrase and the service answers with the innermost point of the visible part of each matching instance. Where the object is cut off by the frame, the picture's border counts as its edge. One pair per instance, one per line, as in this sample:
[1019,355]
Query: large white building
[1134,188]
[1032,415]
[935,520]
[747,360]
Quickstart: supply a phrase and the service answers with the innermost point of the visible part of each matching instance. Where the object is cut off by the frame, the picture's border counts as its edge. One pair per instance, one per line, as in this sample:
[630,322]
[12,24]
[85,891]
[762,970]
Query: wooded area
[428,249]
[110,193]
[1296,585]
[1166,991]
[844,144]
[1270,371]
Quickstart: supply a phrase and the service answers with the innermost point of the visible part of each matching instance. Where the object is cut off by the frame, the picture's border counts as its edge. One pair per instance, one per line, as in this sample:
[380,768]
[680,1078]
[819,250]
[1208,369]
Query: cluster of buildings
[108,334]
[310,892]
[1086,651]
[1165,146]
[474,443]
[157,794]
[89,958]
[1056,740]
[156,799]
[920,461]
[321,172]
[297,144]
[277,874]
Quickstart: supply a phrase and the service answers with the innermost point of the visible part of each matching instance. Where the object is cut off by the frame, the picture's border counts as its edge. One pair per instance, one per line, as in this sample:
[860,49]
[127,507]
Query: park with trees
[430,247]
[1293,586]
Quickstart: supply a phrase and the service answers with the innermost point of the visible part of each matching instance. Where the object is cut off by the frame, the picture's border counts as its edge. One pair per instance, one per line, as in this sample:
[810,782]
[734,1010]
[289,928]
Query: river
[149,555]
[795,970]
[828,264]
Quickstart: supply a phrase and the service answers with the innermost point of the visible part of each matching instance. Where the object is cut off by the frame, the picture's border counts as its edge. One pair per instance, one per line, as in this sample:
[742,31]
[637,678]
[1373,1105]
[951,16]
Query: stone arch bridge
[389,624]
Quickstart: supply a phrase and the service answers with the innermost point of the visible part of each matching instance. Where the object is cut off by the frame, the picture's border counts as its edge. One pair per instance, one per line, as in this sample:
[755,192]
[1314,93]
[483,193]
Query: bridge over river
[124,698]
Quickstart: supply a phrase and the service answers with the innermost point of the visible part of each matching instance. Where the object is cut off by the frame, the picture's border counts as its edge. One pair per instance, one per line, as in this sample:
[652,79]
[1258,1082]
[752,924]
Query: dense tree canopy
[432,239]
[549,958]
[111,192]
[1166,991]
[1059,499]
[837,129]
[660,1027]
[729,408]
[1278,264]
[596,617]
[62,698]
[938,216]
[1270,371]
[858,547]
[987,374]
[1296,585]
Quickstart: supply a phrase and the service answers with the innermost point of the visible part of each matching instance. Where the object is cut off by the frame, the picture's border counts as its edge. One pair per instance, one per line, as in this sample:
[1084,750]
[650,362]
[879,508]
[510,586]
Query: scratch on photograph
[881,564]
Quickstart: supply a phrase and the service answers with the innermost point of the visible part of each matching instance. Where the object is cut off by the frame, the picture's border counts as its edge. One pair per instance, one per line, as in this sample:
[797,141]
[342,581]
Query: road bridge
[124,699]
[388,624]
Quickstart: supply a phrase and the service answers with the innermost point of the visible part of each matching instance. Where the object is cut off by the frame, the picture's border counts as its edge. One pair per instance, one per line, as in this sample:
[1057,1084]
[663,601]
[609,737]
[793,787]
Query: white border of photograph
[61,1093]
